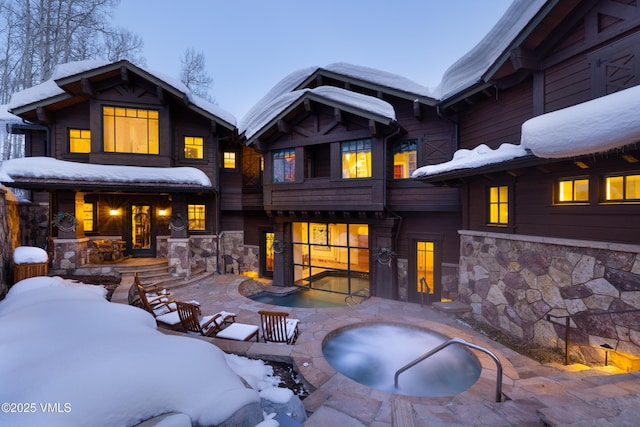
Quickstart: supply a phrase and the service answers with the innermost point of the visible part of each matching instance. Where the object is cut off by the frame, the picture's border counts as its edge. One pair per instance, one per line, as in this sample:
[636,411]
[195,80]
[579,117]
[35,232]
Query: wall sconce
[162,213]
[114,212]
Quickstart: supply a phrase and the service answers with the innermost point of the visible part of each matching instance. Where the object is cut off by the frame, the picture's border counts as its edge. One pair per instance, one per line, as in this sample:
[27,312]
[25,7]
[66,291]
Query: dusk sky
[250,45]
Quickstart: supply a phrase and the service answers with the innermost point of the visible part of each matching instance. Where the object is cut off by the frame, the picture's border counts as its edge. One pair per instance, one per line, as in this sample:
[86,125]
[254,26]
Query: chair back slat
[188,314]
[274,326]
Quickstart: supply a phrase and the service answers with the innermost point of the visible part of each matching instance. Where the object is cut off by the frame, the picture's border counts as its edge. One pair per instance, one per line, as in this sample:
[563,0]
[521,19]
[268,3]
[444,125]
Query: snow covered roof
[51,89]
[592,127]
[53,170]
[6,116]
[295,82]
[470,69]
[349,101]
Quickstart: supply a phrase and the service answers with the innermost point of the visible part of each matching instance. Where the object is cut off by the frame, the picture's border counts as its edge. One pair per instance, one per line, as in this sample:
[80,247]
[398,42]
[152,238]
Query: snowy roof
[49,90]
[46,168]
[293,82]
[346,99]
[592,127]
[470,69]
[6,116]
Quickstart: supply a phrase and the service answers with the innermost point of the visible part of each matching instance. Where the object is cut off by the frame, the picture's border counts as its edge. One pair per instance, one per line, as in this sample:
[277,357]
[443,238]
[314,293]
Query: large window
[499,205]
[356,159]
[284,166]
[572,190]
[193,147]
[196,214]
[130,130]
[404,158]
[79,141]
[622,188]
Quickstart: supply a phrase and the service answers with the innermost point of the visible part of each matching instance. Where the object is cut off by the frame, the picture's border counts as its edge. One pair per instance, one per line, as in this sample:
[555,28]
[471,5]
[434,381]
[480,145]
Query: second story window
[193,147]
[356,159]
[622,188]
[130,130]
[196,215]
[229,160]
[284,166]
[499,205]
[79,141]
[404,158]
[572,190]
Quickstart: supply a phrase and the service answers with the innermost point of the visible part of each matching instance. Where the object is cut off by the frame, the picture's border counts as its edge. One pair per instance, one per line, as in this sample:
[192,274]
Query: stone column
[178,256]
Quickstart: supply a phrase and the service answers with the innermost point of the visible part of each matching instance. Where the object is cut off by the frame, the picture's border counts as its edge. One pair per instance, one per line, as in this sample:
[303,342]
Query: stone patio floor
[535,394]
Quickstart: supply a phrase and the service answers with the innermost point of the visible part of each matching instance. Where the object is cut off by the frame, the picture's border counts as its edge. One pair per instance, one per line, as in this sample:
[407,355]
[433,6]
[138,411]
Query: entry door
[425,285]
[141,230]
[267,253]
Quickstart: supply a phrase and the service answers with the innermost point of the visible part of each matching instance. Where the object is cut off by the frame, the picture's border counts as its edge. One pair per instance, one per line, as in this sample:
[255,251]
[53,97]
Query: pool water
[304,298]
[372,354]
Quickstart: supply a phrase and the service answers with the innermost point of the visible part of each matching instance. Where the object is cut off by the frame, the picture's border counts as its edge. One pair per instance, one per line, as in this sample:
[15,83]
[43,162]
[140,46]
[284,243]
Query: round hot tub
[371,354]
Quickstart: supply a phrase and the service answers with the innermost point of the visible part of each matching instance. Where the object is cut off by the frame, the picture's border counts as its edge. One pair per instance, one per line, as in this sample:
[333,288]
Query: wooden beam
[43,115]
[160,93]
[373,127]
[308,107]
[86,86]
[417,111]
[284,127]
[337,115]
[523,59]
[214,127]
[124,74]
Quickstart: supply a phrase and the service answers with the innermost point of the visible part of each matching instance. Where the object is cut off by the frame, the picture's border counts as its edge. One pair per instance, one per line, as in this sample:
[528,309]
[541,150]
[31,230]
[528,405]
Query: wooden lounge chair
[161,307]
[154,292]
[277,328]
[220,325]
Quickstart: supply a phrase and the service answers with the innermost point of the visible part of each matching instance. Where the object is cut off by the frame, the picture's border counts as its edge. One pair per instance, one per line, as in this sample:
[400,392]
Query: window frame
[573,200]
[490,203]
[70,138]
[185,146]
[357,152]
[94,217]
[223,159]
[397,148]
[151,150]
[624,199]
[192,217]
[288,167]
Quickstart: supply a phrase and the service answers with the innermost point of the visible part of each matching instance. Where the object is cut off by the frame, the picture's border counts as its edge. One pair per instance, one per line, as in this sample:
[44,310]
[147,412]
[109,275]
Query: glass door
[267,247]
[140,240]
[426,288]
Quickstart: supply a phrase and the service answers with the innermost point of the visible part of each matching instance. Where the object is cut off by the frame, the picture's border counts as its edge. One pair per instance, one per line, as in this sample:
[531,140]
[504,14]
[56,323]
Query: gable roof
[67,80]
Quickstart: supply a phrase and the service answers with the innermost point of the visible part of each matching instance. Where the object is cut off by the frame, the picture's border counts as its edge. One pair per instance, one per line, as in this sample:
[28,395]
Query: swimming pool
[372,354]
[303,298]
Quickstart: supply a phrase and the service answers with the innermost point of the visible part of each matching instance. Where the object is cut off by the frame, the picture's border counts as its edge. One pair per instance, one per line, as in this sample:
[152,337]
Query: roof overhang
[30,183]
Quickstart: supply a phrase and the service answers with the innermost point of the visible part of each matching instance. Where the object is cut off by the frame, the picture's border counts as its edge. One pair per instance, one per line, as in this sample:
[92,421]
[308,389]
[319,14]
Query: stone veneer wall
[449,279]
[514,281]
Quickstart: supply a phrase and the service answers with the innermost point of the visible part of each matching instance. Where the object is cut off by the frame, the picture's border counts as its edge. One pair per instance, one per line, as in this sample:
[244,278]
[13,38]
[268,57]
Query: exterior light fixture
[114,212]
[607,347]
[162,212]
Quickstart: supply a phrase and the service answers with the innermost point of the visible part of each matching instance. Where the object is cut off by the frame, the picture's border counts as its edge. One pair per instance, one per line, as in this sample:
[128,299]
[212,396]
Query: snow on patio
[71,358]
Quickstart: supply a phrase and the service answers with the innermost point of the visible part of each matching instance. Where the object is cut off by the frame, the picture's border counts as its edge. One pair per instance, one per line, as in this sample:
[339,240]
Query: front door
[140,238]
[267,255]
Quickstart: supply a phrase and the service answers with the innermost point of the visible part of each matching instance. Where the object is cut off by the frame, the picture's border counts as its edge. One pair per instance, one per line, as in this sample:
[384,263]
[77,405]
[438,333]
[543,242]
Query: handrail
[358,293]
[462,342]
[567,325]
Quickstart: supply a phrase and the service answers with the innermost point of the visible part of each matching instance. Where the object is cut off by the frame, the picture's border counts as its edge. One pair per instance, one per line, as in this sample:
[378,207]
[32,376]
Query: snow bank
[71,358]
[29,255]
[49,168]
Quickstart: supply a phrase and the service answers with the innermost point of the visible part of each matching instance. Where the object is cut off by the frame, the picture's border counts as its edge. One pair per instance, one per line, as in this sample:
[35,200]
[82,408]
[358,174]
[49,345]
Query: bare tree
[123,44]
[194,74]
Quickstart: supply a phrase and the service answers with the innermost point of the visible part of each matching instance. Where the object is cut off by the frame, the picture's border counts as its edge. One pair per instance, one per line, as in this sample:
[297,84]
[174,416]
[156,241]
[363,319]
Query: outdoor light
[114,212]
[607,347]
[162,212]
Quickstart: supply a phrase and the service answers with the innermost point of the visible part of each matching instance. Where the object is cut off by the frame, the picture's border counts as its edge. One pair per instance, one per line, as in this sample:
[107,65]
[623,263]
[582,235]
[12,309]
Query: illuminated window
[499,205]
[196,217]
[404,158]
[193,147]
[284,166]
[130,130]
[229,160]
[88,216]
[79,141]
[573,190]
[356,159]
[622,188]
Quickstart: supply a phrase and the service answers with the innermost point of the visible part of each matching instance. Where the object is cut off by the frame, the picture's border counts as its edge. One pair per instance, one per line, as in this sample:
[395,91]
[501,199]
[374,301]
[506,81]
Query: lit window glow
[130,130]
[499,205]
[79,141]
[356,159]
[193,147]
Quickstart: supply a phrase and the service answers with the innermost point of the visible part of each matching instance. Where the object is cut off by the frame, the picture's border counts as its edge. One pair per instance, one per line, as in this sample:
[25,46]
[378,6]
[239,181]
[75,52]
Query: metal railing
[567,325]
[461,342]
[362,293]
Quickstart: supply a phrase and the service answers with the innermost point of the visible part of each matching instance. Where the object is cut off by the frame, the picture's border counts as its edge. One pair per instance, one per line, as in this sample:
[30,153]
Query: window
[284,166]
[193,147]
[88,217]
[196,217]
[499,205]
[622,188]
[229,160]
[573,190]
[356,159]
[79,141]
[130,130]
[404,158]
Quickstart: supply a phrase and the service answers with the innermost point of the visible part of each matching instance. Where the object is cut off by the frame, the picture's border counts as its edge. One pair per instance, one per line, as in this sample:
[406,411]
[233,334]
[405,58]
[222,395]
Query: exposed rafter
[86,86]
[283,126]
[417,111]
[337,115]
[124,73]
[43,115]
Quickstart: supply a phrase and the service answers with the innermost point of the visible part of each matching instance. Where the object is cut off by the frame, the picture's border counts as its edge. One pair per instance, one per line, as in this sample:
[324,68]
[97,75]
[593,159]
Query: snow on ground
[71,358]
[50,168]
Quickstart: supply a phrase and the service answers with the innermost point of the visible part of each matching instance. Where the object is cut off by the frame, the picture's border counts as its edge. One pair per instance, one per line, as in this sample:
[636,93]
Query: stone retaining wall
[513,282]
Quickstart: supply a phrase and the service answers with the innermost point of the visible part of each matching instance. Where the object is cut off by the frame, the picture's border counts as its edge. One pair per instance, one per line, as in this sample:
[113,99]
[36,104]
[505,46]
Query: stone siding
[513,282]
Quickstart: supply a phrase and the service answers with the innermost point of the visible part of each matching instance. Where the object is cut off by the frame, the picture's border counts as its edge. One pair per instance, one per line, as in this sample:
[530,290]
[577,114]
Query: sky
[250,45]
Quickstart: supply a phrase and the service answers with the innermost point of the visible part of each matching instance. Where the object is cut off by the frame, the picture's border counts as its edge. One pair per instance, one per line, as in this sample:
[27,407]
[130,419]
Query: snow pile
[49,168]
[470,69]
[598,125]
[70,357]
[278,104]
[477,157]
[29,255]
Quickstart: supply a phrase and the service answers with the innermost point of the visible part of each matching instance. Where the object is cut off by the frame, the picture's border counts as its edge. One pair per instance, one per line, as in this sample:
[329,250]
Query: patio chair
[220,325]
[153,291]
[162,308]
[277,328]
